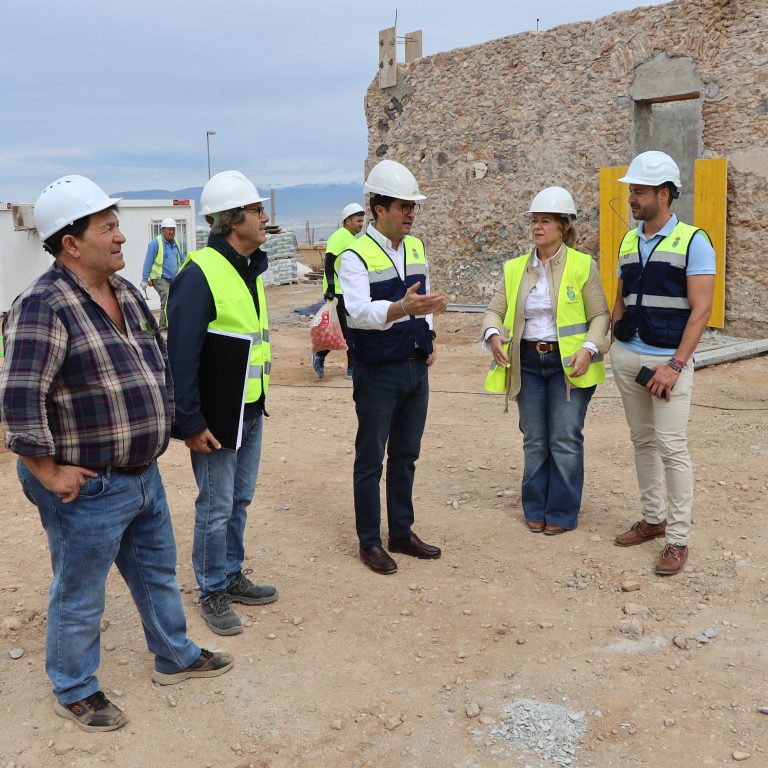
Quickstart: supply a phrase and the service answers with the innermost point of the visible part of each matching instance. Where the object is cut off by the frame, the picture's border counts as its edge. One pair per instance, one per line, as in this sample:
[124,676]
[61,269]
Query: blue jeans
[553,440]
[226,482]
[391,403]
[120,519]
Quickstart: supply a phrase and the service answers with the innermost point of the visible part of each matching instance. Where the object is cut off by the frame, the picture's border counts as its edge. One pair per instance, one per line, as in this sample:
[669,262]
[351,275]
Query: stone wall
[484,128]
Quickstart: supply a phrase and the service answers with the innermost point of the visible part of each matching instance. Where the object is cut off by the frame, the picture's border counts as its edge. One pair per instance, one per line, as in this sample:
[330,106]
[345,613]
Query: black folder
[223,377]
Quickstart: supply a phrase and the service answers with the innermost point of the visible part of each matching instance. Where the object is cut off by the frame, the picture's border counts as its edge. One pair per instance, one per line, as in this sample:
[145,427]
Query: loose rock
[473,709]
[16,653]
[630,586]
[741,756]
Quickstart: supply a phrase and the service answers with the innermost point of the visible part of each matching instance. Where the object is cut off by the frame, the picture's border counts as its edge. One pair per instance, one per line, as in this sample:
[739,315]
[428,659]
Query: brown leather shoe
[414,547]
[554,530]
[640,532]
[378,560]
[535,526]
[672,559]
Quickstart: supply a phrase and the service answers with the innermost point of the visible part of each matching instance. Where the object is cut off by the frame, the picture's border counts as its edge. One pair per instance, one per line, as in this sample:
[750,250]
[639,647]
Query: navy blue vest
[655,295]
[399,341]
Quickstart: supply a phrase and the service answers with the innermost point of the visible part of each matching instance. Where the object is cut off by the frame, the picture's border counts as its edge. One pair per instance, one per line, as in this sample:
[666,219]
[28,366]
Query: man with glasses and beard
[389,308]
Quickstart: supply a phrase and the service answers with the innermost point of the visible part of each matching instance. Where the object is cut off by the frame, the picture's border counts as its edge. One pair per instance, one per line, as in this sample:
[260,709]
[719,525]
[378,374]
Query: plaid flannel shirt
[72,386]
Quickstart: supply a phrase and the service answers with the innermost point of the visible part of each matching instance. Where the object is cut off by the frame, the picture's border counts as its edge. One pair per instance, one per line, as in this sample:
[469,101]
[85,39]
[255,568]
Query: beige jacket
[595,305]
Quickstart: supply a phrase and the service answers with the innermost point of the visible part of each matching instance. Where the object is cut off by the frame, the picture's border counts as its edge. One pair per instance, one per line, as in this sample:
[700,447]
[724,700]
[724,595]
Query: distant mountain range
[319,204]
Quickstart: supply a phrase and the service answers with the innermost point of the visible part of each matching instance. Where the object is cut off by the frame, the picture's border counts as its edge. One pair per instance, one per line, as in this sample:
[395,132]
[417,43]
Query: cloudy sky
[125,91]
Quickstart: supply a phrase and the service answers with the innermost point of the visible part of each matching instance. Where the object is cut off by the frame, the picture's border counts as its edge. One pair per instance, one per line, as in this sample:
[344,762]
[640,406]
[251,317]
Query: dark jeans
[344,331]
[553,440]
[391,402]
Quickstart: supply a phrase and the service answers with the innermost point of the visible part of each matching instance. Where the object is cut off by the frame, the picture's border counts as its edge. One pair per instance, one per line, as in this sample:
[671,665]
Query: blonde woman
[546,327]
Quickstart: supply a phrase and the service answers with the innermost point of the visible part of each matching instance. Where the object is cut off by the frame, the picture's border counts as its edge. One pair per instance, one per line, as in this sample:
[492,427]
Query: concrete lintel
[663,77]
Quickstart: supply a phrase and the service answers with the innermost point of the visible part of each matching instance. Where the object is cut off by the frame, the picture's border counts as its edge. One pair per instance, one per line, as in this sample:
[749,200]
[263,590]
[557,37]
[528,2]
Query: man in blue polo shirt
[663,302]
[163,260]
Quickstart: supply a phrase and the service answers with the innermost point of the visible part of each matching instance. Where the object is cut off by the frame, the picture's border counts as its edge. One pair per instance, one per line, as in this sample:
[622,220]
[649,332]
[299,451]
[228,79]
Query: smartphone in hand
[644,375]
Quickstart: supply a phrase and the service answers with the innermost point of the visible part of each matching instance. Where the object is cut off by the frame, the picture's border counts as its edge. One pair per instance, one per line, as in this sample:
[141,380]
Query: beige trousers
[658,430]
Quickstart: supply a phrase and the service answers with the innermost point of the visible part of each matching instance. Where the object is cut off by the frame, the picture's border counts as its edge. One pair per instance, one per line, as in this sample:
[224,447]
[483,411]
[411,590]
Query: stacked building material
[283,266]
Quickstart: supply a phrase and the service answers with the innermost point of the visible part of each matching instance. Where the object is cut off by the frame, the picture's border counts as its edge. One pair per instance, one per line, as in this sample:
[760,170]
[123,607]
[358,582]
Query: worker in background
[663,302]
[351,225]
[220,289]
[86,401]
[387,298]
[163,260]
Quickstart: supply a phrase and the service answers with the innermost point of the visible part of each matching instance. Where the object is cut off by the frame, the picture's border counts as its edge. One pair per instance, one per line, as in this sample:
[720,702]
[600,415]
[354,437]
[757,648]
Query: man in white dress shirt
[385,277]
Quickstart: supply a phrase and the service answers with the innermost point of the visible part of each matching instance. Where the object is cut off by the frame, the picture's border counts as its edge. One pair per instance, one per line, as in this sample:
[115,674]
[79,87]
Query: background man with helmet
[663,302]
[220,288]
[385,276]
[86,402]
[351,225]
[163,260]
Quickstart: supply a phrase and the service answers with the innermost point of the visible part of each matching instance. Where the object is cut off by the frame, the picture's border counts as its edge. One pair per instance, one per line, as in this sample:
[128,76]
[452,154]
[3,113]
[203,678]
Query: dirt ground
[354,669]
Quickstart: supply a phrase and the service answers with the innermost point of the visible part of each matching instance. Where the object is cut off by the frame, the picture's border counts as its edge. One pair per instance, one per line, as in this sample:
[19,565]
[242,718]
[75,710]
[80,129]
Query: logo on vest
[570,293]
[676,242]
[415,255]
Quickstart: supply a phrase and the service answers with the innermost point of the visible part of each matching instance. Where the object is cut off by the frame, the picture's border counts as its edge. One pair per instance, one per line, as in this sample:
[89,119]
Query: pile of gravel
[547,730]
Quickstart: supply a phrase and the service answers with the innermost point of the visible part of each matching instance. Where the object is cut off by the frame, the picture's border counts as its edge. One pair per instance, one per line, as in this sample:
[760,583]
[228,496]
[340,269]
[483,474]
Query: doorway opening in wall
[674,125]
[181,232]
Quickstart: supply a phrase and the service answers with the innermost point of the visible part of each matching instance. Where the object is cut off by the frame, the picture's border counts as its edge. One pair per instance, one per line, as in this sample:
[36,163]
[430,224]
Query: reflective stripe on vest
[156,272]
[336,244]
[570,320]
[236,313]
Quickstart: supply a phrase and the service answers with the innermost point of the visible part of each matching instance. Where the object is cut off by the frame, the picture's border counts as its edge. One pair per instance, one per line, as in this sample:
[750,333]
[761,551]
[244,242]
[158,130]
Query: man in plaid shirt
[86,402]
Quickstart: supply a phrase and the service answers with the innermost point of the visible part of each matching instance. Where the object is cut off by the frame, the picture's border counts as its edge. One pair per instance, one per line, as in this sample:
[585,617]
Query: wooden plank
[710,208]
[388,57]
[614,222]
[412,46]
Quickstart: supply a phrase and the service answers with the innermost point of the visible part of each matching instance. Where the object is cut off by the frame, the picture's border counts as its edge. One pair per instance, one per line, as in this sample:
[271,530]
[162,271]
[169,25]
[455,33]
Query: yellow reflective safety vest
[157,265]
[236,313]
[570,318]
[336,244]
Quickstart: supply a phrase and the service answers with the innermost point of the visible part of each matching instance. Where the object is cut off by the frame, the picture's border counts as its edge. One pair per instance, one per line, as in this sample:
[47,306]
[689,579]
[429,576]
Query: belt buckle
[542,347]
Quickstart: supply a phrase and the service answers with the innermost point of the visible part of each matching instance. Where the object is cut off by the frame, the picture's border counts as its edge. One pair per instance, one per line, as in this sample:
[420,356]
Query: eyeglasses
[259,210]
[406,208]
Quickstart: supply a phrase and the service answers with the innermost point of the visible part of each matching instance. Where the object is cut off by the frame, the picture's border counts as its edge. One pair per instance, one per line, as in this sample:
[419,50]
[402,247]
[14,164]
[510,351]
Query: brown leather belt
[130,470]
[542,347]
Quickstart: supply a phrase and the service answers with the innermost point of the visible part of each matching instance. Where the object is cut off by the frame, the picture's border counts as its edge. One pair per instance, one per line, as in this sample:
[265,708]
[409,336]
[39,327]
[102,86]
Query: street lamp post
[208,135]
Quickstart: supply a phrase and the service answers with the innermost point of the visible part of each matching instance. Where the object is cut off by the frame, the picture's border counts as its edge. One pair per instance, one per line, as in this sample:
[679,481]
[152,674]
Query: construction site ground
[354,669]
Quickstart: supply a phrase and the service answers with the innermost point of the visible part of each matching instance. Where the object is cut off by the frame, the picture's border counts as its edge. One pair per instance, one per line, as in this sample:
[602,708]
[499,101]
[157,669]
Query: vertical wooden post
[710,208]
[388,57]
[614,197]
[412,46]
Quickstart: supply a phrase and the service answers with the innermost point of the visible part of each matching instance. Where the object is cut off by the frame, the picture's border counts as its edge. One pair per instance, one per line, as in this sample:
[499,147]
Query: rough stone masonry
[485,127]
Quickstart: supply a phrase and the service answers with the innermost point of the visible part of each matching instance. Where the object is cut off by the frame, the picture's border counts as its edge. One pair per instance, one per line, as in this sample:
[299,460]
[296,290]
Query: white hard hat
[554,200]
[353,209]
[66,200]
[393,180]
[653,169]
[167,224]
[228,190]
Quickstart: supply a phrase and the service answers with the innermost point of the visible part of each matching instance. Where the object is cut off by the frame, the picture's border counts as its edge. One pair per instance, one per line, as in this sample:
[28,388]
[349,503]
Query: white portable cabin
[22,257]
